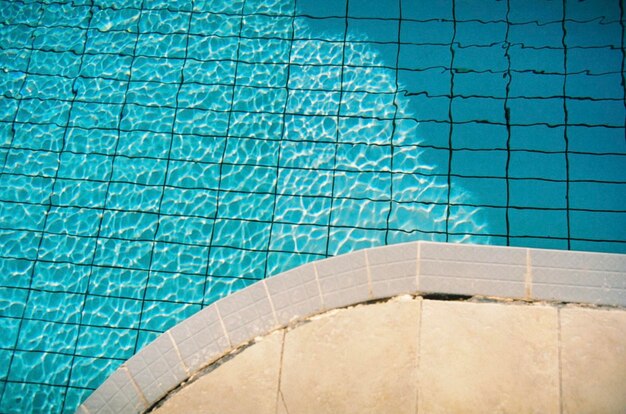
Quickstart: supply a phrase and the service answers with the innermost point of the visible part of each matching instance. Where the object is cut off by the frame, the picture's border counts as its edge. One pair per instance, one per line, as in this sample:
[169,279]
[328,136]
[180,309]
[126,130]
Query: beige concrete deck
[410,355]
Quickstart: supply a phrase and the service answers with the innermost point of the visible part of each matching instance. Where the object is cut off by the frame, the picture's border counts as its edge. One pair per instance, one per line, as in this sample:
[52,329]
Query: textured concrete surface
[593,359]
[244,384]
[488,357]
[410,355]
[361,360]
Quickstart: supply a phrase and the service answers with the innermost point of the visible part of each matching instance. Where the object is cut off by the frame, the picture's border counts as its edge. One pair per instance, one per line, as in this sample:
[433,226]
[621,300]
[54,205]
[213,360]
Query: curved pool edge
[417,268]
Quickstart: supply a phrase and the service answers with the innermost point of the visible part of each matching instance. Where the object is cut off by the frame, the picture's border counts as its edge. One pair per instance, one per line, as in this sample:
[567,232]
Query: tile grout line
[138,390]
[418,267]
[269,298]
[528,277]
[219,317]
[370,288]
[319,286]
[180,357]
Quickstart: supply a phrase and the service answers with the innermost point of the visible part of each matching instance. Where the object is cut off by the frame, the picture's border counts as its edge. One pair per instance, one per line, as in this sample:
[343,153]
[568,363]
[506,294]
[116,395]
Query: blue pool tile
[252,151]
[12,302]
[478,110]
[308,155]
[531,85]
[65,248]
[162,45]
[430,109]
[22,216]
[160,316]
[80,193]
[103,342]
[541,243]
[144,144]
[596,60]
[468,83]
[424,9]
[538,60]
[248,178]
[111,312]
[211,47]
[100,90]
[175,288]
[597,196]
[422,217]
[426,32]
[122,43]
[179,258]
[486,11]
[592,9]
[90,140]
[54,306]
[479,163]
[548,111]
[85,166]
[47,336]
[488,191]
[302,209]
[23,397]
[375,186]
[40,367]
[145,171]
[343,240]
[179,5]
[43,86]
[146,337]
[611,113]
[74,397]
[217,24]
[255,125]
[211,97]
[156,69]
[541,11]
[111,281]
[360,213]
[476,33]
[200,122]
[241,234]
[550,223]
[191,230]
[106,66]
[62,277]
[8,109]
[95,115]
[602,86]
[525,137]
[189,202]
[220,287]
[222,72]
[538,193]
[589,225]
[19,244]
[597,167]
[22,188]
[163,21]
[129,225]
[374,30]
[15,272]
[44,111]
[525,164]
[300,238]
[114,19]
[533,35]
[424,56]
[475,135]
[17,36]
[193,175]
[127,196]
[65,15]
[418,187]
[90,372]
[266,26]
[129,254]
[221,262]
[480,58]
[485,220]
[593,33]
[432,81]
[60,39]
[264,50]
[278,262]
[157,119]
[413,159]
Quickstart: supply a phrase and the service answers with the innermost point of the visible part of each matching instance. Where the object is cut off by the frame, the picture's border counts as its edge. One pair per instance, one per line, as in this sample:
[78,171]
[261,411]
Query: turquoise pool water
[158,155]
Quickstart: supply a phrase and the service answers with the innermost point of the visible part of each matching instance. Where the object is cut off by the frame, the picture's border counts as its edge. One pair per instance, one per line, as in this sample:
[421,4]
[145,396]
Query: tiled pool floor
[156,156]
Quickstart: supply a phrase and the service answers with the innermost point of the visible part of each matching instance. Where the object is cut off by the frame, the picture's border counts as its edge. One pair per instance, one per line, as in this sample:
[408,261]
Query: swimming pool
[158,155]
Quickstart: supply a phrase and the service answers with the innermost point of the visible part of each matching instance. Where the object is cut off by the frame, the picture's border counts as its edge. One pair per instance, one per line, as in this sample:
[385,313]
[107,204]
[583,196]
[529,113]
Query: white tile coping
[376,273]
